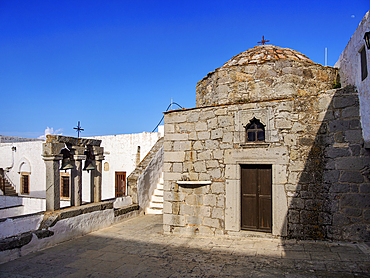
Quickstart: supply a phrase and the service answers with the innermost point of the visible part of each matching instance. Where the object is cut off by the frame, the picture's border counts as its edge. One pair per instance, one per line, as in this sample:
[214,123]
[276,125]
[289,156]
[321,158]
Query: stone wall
[349,64]
[204,148]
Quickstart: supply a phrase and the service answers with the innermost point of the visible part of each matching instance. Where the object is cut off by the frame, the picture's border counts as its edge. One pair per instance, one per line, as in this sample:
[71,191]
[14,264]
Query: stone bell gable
[278,152]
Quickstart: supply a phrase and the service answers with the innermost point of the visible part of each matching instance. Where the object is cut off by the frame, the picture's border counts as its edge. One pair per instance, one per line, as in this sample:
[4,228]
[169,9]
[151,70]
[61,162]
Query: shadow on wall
[332,199]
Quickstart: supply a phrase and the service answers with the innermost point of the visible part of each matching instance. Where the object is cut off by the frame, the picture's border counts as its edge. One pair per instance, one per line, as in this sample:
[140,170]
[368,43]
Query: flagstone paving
[138,248]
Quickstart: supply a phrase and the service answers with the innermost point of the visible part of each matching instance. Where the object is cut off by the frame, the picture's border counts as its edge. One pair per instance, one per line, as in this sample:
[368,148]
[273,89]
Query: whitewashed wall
[30,154]
[120,153]
[349,65]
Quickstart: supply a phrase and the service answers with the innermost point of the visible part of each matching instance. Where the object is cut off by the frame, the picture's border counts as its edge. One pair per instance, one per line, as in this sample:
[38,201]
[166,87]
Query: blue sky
[115,65]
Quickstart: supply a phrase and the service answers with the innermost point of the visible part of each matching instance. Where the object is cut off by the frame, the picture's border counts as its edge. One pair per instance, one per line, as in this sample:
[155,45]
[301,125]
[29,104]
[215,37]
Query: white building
[23,166]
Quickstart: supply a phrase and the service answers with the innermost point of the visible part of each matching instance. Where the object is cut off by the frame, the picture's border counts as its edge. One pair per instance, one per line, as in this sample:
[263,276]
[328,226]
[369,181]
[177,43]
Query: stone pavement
[138,248]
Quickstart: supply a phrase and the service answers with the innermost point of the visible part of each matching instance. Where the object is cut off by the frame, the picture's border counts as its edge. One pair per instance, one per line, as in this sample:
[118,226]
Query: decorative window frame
[64,174]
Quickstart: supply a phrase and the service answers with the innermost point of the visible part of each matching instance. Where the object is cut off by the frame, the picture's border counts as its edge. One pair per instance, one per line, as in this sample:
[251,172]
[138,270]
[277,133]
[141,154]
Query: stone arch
[24,166]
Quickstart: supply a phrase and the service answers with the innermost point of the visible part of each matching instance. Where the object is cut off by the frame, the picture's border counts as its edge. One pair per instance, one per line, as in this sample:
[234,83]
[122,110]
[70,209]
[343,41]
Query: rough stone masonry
[313,142]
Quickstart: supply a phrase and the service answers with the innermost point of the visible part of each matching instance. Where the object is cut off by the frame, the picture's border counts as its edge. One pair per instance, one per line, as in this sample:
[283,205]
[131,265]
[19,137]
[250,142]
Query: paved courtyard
[137,248]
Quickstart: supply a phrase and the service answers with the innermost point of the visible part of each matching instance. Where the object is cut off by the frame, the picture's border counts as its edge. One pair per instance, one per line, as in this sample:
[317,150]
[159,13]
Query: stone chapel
[272,146]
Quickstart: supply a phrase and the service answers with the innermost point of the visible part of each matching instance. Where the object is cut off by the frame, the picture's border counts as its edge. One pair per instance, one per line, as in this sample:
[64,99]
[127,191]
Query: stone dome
[265,72]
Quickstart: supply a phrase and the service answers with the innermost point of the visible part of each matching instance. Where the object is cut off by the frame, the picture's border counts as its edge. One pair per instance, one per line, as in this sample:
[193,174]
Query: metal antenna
[78,129]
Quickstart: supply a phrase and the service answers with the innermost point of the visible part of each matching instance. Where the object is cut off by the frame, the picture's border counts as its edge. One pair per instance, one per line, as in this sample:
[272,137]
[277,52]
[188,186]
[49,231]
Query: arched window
[255,131]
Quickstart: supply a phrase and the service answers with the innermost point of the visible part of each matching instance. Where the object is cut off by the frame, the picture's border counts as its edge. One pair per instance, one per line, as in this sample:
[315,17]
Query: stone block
[203,211]
[212,164]
[338,125]
[175,118]
[216,133]
[331,176]
[344,101]
[352,177]
[353,135]
[220,201]
[201,126]
[211,144]
[210,222]
[295,203]
[193,135]
[205,230]
[212,123]
[226,146]
[337,152]
[204,135]
[355,201]
[194,220]
[167,146]
[205,115]
[177,167]
[171,196]
[199,166]
[353,212]
[355,124]
[210,200]
[198,145]
[204,177]
[176,137]
[350,112]
[187,209]
[218,154]
[351,163]
[193,176]
[218,187]
[282,123]
[169,176]
[218,213]
[340,219]
[175,220]
[167,167]
[169,128]
[193,117]
[224,121]
[167,207]
[190,155]
[365,188]
[184,127]
[293,216]
[204,155]
[215,173]
[339,188]
[290,139]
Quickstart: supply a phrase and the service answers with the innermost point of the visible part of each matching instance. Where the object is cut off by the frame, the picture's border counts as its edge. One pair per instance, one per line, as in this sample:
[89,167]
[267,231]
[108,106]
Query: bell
[89,165]
[66,164]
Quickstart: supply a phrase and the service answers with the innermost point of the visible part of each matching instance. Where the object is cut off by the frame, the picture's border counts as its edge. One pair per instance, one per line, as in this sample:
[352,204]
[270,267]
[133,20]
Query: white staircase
[156,201]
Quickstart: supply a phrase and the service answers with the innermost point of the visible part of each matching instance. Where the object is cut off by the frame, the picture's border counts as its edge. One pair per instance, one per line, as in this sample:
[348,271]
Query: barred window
[363,63]
[255,131]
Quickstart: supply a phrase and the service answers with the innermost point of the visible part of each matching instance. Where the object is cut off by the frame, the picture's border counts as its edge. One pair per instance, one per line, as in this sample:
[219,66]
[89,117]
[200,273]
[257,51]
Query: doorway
[120,181]
[256,201]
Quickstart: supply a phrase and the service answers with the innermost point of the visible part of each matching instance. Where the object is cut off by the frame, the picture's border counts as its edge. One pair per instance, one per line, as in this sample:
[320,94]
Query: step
[160,180]
[156,205]
[157,199]
[160,186]
[158,192]
[153,211]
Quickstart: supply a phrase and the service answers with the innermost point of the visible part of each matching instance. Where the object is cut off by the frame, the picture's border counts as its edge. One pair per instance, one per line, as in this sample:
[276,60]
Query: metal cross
[263,40]
[78,129]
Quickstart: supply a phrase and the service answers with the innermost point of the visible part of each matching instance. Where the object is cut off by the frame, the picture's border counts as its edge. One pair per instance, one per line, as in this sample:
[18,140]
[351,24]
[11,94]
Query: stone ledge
[125,210]
[255,145]
[193,183]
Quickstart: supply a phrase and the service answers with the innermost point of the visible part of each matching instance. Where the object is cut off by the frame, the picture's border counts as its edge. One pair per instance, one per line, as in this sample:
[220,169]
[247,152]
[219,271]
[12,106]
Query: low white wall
[18,225]
[148,180]
[349,65]
[63,230]
[11,206]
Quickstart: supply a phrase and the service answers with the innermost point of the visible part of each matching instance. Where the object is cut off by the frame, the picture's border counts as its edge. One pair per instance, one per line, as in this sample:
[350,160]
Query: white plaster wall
[148,180]
[120,153]
[15,226]
[349,65]
[12,160]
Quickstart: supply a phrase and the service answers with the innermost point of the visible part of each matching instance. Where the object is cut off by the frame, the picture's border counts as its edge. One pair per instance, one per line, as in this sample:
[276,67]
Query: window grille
[255,131]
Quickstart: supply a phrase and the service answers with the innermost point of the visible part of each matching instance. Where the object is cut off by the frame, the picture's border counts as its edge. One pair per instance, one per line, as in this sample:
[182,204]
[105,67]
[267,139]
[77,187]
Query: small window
[25,183]
[363,63]
[255,131]
[64,185]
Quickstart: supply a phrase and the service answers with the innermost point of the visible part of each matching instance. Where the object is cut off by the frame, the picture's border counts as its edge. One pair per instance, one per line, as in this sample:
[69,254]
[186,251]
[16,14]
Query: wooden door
[120,184]
[256,188]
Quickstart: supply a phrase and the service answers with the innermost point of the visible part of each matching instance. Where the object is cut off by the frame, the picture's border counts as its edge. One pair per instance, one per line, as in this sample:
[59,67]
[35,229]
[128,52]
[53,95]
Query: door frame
[257,208]
[115,183]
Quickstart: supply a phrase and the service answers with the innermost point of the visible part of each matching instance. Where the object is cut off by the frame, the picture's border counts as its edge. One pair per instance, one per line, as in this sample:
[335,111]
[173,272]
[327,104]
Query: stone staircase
[9,189]
[156,201]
